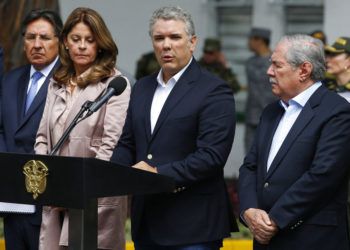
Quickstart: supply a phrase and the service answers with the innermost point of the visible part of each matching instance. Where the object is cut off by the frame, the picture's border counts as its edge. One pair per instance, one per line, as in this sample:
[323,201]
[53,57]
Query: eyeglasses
[29,37]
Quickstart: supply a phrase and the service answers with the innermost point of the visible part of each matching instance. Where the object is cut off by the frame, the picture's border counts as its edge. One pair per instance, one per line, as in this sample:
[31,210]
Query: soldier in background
[329,79]
[319,34]
[146,65]
[258,84]
[215,62]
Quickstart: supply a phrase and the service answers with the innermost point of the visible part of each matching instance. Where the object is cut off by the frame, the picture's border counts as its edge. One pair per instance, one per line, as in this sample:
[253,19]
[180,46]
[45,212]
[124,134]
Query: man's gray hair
[172,13]
[304,48]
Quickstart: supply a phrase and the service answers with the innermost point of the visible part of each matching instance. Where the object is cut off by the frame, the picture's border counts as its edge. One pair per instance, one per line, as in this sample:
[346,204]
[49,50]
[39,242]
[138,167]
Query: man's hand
[144,166]
[260,224]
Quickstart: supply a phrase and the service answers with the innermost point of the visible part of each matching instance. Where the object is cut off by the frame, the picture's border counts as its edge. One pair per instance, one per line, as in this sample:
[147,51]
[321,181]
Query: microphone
[115,87]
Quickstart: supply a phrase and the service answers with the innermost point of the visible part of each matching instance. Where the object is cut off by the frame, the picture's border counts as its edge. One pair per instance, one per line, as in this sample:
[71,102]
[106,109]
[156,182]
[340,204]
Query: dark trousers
[20,232]
[215,245]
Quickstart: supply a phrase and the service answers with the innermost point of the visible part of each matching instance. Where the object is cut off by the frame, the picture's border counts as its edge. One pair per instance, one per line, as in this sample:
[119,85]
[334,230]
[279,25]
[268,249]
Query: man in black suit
[181,124]
[293,182]
[23,94]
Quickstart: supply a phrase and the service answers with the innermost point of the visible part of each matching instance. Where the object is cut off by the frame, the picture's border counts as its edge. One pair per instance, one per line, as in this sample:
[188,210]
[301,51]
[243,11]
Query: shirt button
[266,184]
[149,156]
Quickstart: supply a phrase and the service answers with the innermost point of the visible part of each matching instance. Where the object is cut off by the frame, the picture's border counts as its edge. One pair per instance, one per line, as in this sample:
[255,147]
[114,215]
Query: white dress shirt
[161,94]
[45,71]
[292,111]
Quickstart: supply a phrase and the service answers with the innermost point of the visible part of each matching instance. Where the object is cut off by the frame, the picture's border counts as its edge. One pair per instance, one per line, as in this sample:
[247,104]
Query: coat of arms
[35,177]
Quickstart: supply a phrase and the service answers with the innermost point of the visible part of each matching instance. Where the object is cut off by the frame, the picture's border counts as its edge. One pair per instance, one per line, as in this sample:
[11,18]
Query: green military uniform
[217,68]
[331,84]
[222,72]
[147,65]
[341,45]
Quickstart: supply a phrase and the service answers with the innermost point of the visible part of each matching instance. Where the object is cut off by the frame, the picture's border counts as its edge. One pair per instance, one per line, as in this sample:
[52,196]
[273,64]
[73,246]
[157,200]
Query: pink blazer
[95,136]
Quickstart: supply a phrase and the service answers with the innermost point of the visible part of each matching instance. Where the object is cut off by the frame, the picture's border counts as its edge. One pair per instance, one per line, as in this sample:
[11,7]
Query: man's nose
[37,42]
[270,71]
[167,43]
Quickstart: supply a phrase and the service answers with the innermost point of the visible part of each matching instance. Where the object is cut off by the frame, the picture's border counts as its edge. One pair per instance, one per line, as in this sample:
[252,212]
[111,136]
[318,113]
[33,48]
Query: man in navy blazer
[181,124]
[20,119]
[293,182]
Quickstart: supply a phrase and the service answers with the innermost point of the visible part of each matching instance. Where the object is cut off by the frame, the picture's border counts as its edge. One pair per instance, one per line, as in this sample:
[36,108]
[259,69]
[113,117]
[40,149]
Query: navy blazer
[305,188]
[1,63]
[190,143]
[18,130]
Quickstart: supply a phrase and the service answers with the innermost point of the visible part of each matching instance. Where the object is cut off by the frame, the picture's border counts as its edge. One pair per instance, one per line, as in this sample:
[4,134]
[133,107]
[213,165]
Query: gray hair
[304,48]
[172,13]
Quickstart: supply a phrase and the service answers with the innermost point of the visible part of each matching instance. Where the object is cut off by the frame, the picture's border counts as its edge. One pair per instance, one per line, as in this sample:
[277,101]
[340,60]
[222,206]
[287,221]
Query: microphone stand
[78,118]
[85,235]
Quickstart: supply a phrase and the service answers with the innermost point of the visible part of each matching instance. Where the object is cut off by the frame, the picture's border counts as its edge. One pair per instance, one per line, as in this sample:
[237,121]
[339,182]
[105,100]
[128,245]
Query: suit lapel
[22,85]
[149,93]
[305,116]
[177,93]
[38,100]
[270,131]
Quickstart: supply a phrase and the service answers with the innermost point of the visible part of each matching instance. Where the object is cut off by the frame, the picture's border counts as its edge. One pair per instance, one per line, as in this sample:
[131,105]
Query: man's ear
[305,70]
[193,43]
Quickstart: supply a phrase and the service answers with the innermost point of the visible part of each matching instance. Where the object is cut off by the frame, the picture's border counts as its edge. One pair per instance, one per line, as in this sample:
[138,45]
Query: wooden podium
[76,183]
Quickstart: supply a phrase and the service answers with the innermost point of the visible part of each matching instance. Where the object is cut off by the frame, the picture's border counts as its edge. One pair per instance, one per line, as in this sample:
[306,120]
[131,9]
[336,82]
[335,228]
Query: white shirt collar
[302,97]
[45,71]
[175,78]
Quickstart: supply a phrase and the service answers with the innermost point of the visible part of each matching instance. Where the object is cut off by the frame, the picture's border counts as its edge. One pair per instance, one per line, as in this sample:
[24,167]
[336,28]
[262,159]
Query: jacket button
[149,156]
[266,184]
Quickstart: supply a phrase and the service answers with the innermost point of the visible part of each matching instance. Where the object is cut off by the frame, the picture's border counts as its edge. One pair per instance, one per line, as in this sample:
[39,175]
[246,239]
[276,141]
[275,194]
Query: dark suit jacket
[190,143]
[1,63]
[18,131]
[305,189]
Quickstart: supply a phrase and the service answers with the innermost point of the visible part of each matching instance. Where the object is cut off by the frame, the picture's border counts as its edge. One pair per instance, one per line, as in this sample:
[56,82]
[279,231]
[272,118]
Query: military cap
[260,32]
[341,45]
[319,34]
[212,44]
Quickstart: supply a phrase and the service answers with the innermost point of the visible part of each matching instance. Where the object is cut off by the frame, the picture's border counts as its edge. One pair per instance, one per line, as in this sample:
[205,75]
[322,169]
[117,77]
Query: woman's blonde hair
[107,50]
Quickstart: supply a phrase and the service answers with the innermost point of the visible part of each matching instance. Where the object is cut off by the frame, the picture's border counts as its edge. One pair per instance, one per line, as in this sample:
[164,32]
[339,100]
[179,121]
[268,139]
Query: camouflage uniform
[341,45]
[222,72]
[147,65]
[217,68]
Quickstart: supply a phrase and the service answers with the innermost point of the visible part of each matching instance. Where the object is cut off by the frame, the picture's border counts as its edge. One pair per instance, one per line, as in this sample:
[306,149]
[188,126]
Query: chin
[275,92]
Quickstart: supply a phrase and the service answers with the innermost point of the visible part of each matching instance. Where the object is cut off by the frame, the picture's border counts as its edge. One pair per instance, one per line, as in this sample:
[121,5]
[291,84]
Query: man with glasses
[23,94]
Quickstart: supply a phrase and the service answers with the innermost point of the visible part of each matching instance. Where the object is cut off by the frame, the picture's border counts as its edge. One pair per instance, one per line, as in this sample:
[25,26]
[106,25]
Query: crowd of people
[178,120]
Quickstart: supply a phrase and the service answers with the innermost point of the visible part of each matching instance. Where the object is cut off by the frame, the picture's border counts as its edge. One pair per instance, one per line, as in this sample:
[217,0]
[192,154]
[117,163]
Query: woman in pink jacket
[88,57]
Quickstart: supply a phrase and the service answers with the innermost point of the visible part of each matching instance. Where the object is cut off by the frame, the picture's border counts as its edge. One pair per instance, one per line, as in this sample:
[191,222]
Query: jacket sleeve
[2,139]
[124,152]
[247,182]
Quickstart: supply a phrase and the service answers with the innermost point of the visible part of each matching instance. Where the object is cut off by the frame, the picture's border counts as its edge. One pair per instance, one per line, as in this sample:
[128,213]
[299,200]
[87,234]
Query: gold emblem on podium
[35,177]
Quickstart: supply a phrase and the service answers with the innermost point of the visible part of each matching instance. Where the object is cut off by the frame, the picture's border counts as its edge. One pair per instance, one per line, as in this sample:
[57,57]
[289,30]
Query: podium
[76,183]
